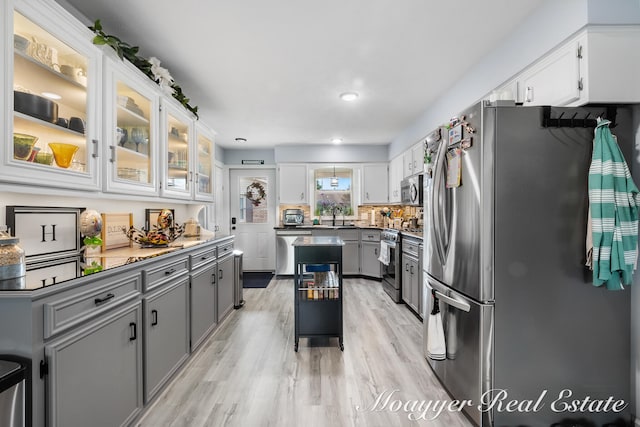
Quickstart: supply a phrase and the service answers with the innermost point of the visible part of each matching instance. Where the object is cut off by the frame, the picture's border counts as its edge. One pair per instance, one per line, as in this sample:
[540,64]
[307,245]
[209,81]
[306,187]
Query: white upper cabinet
[610,65]
[555,80]
[178,162]
[77,117]
[131,130]
[413,159]
[204,161]
[53,72]
[395,178]
[598,65]
[293,183]
[375,183]
[417,153]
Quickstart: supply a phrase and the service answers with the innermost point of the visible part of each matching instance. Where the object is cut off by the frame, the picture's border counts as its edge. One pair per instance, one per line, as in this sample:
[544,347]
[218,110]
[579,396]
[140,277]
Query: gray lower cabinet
[351,257]
[411,283]
[225,286]
[95,372]
[369,262]
[203,302]
[166,334]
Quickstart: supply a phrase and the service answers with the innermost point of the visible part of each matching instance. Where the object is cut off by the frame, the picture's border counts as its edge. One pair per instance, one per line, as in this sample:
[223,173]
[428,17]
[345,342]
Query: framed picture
[112,234]
[151,217]
[45,232]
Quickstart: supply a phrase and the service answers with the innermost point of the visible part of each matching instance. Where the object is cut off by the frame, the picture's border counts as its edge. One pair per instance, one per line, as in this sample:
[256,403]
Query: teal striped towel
[614,201]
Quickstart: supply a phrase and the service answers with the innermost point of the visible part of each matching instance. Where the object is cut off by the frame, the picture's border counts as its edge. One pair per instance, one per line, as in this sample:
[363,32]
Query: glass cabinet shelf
[24,121]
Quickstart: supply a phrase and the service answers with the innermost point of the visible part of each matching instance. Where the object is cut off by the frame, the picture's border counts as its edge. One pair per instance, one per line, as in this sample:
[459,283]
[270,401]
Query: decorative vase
[63,153]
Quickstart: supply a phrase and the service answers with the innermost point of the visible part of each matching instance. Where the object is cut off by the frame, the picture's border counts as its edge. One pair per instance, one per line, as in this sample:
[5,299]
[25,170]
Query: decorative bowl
[154,238]
[44,158]
[23,145]
[63,153]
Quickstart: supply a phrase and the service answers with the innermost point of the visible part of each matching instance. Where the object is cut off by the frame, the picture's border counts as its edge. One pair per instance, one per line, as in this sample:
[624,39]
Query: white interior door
[252,212]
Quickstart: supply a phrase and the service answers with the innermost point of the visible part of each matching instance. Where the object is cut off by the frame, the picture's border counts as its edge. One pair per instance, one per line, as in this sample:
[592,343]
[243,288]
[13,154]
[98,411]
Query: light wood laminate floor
[247,373]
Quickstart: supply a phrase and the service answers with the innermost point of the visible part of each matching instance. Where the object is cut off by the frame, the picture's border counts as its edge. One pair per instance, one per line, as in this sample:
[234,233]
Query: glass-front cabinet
[177,180]
[131,130]
[204,156]
[52,115]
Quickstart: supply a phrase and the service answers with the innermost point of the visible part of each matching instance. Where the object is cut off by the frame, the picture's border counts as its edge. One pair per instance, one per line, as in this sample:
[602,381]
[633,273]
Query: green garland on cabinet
[150,68]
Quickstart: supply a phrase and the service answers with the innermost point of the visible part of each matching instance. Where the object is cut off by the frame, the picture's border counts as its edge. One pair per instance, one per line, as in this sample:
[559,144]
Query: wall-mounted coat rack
[587,120]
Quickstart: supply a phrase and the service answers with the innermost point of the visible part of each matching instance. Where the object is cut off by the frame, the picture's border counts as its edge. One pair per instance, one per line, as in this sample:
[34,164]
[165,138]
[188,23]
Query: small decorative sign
[45,232]
[113,235]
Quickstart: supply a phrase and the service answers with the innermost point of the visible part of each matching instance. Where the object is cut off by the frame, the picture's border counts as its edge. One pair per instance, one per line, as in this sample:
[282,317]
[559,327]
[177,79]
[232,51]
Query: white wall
[614,12]
[101,204]
[331,153]
[236,156]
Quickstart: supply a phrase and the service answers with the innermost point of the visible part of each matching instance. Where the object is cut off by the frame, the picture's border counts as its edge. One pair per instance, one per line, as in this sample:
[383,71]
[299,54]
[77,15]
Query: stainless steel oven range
[391,279]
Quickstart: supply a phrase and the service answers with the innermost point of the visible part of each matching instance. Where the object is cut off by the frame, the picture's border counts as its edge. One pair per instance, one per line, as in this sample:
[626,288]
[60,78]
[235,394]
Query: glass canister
[12,259]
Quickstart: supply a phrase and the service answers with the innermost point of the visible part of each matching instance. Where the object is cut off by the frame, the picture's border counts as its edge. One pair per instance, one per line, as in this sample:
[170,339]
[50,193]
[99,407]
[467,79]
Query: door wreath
[255,193]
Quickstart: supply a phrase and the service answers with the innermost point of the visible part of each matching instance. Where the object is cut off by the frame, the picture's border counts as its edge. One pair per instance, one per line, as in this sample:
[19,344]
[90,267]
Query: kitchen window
[333,192]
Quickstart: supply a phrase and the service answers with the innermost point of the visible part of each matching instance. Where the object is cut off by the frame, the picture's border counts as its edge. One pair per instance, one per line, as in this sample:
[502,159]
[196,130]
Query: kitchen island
[113,339]
[320,315]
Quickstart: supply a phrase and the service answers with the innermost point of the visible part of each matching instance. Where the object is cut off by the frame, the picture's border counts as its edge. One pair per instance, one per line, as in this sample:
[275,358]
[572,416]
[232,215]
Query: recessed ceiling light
[51,95]
[336,140]
[241,139]
[349,96]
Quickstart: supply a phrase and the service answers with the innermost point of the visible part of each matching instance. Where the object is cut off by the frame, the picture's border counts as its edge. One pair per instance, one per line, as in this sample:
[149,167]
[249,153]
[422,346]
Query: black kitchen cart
[318,287]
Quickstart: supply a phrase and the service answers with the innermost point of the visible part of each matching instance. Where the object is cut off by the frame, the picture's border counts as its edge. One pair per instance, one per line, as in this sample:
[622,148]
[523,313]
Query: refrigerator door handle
[460,305]
[435,199]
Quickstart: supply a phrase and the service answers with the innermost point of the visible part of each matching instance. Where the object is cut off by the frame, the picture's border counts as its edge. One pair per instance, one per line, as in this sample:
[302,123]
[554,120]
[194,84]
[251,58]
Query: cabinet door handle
[133,328]
[528,97]
[213,278]
[169,272]
[190,176]
[154,317]
[113,153]
[375,251]
[96,153]
[220,274]
[301,196]
[100,301]
[411,268]
[197,177]
[406,267]
[367,195]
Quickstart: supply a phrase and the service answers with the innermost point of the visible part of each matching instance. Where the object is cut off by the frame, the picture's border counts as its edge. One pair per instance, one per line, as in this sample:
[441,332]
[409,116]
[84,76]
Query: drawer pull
[154,317]
[133,328]
[100,301]
[169,272]
[203,257]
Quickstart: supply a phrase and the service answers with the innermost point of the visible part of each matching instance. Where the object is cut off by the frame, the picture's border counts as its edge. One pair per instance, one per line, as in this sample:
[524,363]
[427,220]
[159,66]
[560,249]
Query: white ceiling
[271,71]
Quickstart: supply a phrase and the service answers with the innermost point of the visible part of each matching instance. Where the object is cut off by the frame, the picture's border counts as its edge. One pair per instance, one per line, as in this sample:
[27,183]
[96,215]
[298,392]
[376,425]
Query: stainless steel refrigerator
[505,255]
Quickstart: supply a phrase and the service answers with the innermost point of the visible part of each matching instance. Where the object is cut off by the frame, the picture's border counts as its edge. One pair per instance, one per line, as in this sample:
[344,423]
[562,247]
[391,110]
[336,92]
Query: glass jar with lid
[12,260]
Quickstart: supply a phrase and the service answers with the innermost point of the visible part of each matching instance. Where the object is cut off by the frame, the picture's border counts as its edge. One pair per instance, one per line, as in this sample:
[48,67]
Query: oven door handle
[461,305]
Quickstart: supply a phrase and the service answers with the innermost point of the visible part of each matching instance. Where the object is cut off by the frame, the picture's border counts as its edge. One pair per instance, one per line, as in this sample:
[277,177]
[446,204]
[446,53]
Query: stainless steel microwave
[411,190]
